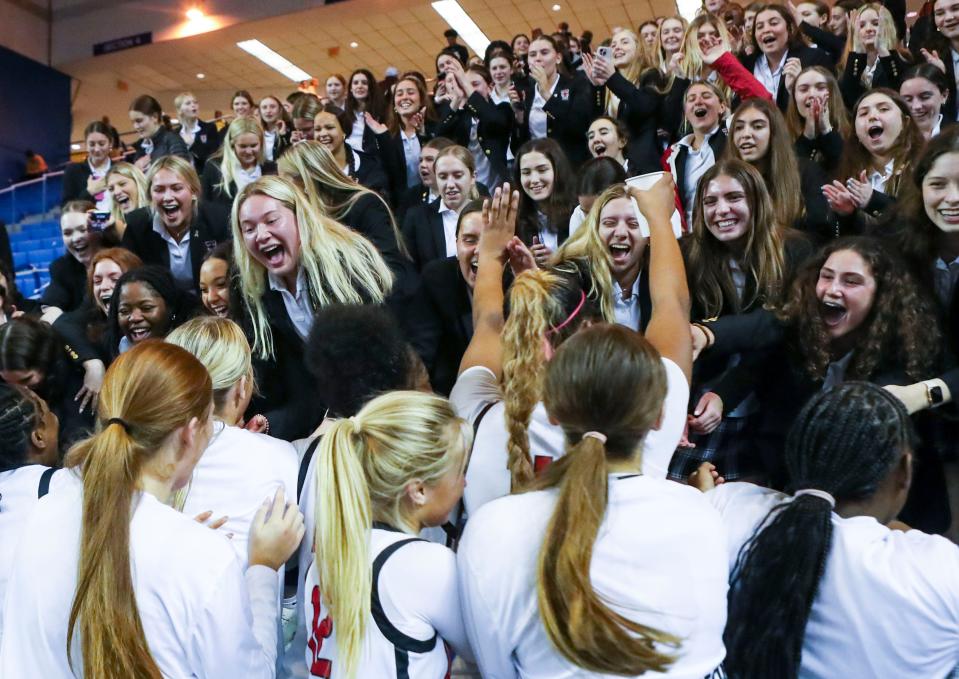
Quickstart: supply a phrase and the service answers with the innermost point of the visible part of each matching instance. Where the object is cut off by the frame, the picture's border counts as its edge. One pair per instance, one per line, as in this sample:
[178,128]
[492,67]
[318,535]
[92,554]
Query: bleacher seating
[31,213]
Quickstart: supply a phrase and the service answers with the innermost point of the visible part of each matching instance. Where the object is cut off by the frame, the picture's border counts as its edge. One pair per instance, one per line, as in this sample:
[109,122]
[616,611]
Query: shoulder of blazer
[718,142]
[444,284]
[140,221]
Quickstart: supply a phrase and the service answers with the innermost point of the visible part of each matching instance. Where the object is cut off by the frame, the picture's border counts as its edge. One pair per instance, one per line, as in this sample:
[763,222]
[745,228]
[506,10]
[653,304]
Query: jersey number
[320,667]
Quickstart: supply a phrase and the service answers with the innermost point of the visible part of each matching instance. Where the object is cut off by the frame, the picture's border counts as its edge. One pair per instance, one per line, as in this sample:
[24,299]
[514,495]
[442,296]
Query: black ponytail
[845,442]
[19,417]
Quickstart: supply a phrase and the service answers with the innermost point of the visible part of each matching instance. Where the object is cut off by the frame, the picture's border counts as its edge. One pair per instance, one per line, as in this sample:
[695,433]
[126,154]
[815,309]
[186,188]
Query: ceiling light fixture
[462,23]
[274,60]
[354,45]
[201,76]
[76,147]
[912,15]
[556,8]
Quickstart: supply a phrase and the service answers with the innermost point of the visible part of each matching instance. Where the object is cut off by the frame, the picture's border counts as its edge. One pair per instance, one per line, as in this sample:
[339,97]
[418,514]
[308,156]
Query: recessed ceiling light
[194,13]
[556,8]
[75,147]
[354,44]
[911,15]
[274,60]
[201,76]
[454,14]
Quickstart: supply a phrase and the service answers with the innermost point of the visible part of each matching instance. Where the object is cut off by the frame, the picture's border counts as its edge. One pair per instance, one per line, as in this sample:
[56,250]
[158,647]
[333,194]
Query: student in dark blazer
[290,265]
[472,120]
[941,49]
[547,198]
[239,161]
[554,105]
[330,128]
[276,127]
[778,39]
[68,273]
[178,228]
[441,319]
[874,34]
[201,138]
[155,139]
[424,191]
[87,180]
[430,230]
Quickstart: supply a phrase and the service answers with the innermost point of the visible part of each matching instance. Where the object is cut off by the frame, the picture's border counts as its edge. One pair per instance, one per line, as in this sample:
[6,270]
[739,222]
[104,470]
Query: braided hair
[845,442]
[19,417]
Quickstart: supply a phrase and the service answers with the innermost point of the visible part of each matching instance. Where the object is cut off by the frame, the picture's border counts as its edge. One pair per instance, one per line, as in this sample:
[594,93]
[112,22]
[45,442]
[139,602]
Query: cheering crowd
[573,358]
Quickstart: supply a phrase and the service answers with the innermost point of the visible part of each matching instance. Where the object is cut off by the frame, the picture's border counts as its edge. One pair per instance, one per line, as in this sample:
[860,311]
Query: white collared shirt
[269,138]
[955,69]
[356,134]
[537,116]
[189,136]
[450,217]
[181,265]
[244,177]
[937,128]
[878,179]
[299,306]
[626,310]
[411,152]
[769,78]
[947,275]
[697,162]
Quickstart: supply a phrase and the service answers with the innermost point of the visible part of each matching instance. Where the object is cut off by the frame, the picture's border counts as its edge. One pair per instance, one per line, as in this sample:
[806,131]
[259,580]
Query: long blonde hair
[692,64]
[631,71]
[330,191]
[545,306]
[584,387]
[230,164]
[364,465]
[888,38]
[220,345]
[132,425]
[341,266]
[587,248]
[134,174]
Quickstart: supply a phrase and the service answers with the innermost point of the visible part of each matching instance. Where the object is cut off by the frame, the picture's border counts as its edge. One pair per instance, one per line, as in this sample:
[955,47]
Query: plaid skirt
[729,446]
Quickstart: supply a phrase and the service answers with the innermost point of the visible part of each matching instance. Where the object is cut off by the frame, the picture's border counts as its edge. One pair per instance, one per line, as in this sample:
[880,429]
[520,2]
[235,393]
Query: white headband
[815,492]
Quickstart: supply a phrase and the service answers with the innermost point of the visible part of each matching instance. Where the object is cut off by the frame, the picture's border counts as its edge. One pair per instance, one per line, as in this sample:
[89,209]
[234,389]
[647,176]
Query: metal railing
[30,197]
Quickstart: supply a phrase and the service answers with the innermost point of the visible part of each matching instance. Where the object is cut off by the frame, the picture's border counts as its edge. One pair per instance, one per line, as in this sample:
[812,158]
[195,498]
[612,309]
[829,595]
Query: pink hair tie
[595,435]
[582,301]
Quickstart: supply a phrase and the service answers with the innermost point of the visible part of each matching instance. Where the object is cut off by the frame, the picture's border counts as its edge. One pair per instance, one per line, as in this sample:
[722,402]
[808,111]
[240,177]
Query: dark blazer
[388,148]
[808,56]
[205,143]
[818,222]
[165,143]
[208,230]
[679,156]
[888,73]
[85,330]
[213,175]
[827,41]
[568,115]
[281,142]
[441,321]
[825,150]
[75,176]
[424,234]
[68,283]
[492,132]
[640,109]
[413,196]
[367,169]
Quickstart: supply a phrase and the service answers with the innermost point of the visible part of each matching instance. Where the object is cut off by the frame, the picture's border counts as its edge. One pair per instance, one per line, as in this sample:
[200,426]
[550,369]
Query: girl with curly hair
[854,312]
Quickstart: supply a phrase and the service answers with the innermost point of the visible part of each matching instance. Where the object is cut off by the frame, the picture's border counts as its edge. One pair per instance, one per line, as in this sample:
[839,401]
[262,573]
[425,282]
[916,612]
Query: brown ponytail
[134,424]
[610,380]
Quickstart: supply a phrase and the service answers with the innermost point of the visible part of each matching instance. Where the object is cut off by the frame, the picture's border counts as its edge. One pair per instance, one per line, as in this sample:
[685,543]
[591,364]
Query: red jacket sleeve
[740,80]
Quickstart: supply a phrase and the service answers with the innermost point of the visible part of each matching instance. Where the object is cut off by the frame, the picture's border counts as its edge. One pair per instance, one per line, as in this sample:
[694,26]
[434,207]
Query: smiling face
[271,235]
[242,107]
[327,131]
[707,37]
[868,27]
[145,126]
[360,86]
[454,181]
[334,89]
[940,192]
[142,314]
[702,108]
[98,147]
[520,45]
[772,32]
[270,110]
[751,134]
[80,243]
[304,127]
[846,291]
[500,70]
[105,276]
[945,13]
[878,124]
[406,98]
[604,140]
[536,175]
[671,35]
[189,108]
[467,246]
[726,210]
[247,149]
[124,190]
[172,199]
[810,86]
[924,100]
[542,54]
[215,286]
[619,230]
[624,49]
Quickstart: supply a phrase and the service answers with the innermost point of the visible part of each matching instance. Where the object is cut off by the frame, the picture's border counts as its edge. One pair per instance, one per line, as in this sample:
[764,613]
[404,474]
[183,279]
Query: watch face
[935,394]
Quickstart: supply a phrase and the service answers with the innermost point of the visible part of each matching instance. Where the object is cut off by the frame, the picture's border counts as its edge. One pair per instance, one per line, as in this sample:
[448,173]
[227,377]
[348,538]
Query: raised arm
[499,215]
[668,328]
